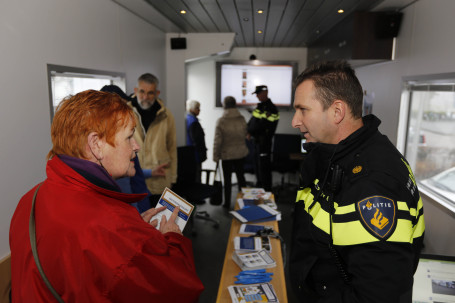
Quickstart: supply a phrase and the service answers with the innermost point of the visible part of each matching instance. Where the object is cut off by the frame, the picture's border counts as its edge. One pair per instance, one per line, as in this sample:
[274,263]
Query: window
[65,81]
[430,133]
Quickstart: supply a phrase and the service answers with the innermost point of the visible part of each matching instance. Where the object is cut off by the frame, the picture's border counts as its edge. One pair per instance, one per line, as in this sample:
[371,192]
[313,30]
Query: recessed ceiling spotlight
[260,11]
[246,19]
[259,32]
[340,11]
[183,12]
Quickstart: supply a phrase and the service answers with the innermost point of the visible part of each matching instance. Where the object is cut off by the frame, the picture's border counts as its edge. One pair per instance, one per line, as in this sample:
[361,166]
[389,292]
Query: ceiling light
[259,32]
[260,11]
[183,12]
[246,19]
[340,11]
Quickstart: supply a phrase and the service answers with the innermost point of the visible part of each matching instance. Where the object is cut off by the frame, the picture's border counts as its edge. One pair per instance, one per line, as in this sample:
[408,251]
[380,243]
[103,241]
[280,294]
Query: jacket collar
[231,112]
[91,171]
[61,173]
[322,155]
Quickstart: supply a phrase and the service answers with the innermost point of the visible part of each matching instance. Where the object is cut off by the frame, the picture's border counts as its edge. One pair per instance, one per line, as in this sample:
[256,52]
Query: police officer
[262,127]
[358,225]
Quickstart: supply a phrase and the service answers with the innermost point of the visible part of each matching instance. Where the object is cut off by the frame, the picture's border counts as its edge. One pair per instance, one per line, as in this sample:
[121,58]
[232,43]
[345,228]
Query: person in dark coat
[195,135]
[262,127]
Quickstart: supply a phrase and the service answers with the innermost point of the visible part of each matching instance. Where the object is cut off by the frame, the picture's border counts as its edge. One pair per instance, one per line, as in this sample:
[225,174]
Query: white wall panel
[94,34]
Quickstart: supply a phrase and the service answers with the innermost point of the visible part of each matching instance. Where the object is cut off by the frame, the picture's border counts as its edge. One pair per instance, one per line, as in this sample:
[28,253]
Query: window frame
[53,69]
[404,124]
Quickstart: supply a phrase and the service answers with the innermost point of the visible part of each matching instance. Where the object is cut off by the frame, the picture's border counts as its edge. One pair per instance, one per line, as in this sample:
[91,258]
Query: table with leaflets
[231,269]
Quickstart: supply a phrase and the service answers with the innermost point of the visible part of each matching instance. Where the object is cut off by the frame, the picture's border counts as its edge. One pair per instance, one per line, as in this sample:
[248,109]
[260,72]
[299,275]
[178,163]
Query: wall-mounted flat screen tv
[240,78]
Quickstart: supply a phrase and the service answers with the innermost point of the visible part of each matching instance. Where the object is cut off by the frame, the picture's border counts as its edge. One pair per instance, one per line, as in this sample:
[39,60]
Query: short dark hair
[334,80]
[115,89]
[229,102]
[148,78]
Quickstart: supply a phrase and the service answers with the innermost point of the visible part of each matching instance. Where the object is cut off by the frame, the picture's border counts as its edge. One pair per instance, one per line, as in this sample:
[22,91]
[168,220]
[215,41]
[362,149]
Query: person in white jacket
[230,147]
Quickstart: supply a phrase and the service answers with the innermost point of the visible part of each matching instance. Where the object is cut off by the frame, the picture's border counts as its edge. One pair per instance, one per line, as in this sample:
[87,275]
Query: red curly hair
[88,111]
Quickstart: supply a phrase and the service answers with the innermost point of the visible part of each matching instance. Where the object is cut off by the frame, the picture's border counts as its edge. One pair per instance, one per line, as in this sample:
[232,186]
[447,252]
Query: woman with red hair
[87,243]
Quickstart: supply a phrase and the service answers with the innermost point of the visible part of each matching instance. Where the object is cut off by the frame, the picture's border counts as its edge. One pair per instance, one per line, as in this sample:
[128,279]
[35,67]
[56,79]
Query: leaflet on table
[255,193]
[258,293]
[259,213]
[242,202]
[250,229]
[172,200]
[254,260]
[250,244]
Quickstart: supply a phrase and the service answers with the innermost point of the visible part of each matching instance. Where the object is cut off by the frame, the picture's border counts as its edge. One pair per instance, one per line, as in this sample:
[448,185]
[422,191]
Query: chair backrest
[250,164]
[283,146]
[187,184]
[186,165]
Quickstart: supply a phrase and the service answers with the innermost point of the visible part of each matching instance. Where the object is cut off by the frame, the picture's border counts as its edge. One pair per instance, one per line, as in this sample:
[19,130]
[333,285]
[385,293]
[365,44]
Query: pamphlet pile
[254,260]
[250,244]
[171,200]
[253,276]
[258,293]
[242,202]
[255,193]
[256,213]
[250,229]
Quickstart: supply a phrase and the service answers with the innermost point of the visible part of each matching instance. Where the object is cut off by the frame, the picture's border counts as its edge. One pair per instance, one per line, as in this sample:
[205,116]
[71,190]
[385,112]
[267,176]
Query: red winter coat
[95,247]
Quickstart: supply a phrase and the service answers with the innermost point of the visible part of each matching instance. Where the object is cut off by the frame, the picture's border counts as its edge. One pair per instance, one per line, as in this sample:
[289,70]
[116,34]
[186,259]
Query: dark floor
[209,243]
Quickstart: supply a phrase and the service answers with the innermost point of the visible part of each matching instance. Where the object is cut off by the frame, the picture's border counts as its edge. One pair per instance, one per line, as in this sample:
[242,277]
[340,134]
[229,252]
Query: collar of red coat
[59,172]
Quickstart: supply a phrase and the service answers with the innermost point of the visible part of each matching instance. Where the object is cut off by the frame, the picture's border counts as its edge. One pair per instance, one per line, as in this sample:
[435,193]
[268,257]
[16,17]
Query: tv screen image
[240,78]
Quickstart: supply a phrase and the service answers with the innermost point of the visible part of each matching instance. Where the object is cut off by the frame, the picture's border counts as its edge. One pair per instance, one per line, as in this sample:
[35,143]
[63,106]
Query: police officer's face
[315,123]
[146,94]
[262,95]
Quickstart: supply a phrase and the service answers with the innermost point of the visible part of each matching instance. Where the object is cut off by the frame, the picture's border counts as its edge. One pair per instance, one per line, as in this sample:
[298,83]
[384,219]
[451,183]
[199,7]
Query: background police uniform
[262,127]
[361,196]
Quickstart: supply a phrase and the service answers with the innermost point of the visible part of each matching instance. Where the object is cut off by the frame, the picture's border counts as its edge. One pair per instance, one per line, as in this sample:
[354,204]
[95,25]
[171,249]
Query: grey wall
[425,45]
[94,34]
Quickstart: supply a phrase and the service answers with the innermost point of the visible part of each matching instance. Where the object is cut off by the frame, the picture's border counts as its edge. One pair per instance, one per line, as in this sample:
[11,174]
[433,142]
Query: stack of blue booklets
[256,213]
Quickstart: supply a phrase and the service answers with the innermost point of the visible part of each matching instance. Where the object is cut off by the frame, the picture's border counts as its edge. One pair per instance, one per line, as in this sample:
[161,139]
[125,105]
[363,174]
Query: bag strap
[216,170]
[32,233]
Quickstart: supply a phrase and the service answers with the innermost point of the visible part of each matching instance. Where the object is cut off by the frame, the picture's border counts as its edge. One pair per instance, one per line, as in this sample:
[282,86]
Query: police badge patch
[378,215]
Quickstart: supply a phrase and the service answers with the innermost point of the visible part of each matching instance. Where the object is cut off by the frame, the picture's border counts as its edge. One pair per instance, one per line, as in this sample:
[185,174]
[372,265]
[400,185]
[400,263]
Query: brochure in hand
[254,260]
[257,293]
[171,200]
[256,213]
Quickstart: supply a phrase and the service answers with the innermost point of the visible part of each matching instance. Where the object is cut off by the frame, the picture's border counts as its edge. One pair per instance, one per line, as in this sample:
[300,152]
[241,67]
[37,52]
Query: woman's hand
[148,214]
[160,170]
[170,226]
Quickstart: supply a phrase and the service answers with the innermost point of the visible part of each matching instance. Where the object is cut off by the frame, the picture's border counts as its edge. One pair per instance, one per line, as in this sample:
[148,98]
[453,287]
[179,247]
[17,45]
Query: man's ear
[158,93]
[135,90]
[339,110]
[95,145]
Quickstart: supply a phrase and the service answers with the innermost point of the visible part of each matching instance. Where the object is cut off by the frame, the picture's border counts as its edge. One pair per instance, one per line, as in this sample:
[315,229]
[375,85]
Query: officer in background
[262,127]
[359,224]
